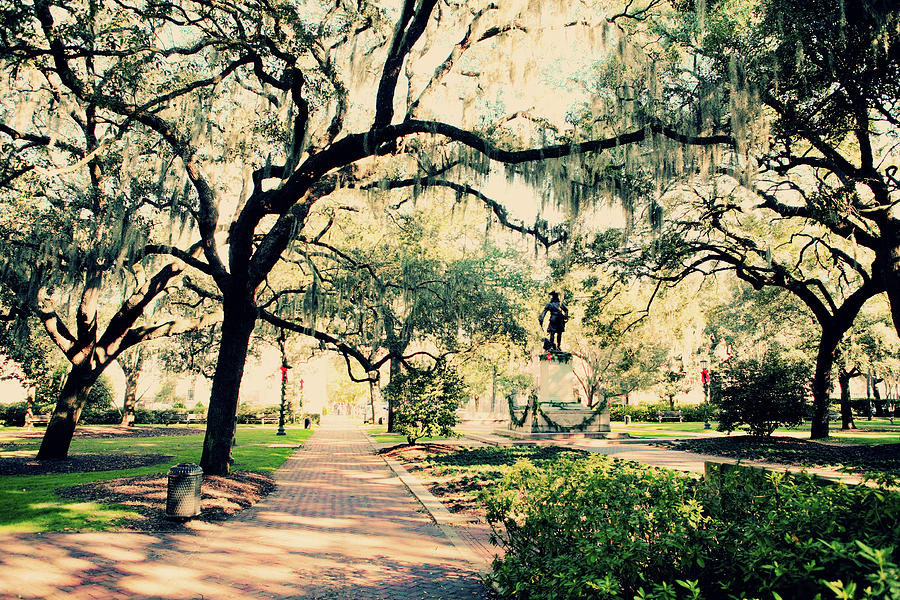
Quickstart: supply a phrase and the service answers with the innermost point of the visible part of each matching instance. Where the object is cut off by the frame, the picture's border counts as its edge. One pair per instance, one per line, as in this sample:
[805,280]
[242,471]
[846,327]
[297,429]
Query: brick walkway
[339,525]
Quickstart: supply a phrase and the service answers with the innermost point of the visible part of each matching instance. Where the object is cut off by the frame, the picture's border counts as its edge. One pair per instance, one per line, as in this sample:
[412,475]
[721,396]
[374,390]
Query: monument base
[574,420]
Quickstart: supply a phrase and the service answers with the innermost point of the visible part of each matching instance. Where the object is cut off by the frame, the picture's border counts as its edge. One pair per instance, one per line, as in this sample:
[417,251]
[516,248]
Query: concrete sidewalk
[340,524]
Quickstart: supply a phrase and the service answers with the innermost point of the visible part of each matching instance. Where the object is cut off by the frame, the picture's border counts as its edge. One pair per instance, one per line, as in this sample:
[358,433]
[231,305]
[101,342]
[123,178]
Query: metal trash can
[628,419]
[183,497]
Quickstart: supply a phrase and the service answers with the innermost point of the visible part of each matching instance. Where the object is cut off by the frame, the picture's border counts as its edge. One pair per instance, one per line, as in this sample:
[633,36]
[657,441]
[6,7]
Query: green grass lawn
[29,502]
[667,426]
[863,438]
[876,431]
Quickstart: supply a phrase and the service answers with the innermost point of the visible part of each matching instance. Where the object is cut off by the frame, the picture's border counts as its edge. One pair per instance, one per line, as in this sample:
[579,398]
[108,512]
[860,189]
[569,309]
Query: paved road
[339,525]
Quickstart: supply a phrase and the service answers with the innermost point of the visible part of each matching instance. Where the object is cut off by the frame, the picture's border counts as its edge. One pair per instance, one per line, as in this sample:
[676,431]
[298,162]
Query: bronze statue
[559,314]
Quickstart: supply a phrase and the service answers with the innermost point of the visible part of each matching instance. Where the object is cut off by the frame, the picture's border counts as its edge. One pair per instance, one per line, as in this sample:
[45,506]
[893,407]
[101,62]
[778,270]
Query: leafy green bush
[425,402]
[98,407]
[13,414]
[761,394]
[108,416]
[247,413]
[647,412]
[605,528]
[595,528]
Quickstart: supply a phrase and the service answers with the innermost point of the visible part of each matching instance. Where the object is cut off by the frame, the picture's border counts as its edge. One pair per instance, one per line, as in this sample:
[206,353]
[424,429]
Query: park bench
[670,415]
[184,418]
[40,419]
[262,419]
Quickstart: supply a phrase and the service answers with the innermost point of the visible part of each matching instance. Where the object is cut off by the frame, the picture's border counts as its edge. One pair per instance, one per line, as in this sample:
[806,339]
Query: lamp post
[704,377]
[284,369]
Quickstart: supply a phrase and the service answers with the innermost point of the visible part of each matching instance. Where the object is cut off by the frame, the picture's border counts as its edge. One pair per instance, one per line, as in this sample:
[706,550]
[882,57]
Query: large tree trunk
[828,343]
[237,325]
[132,370]
[394,370]
[888,261]
[58,437]
[876,396]
[846,410]
[131,381]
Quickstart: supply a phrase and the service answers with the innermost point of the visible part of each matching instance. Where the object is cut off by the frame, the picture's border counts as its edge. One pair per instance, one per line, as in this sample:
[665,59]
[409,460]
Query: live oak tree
[78,257]
[719,231]
[412,283]
[825,77]
[262,110]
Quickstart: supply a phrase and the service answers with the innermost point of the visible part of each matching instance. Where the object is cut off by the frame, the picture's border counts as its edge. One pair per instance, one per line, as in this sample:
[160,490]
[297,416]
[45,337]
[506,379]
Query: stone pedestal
[556,412]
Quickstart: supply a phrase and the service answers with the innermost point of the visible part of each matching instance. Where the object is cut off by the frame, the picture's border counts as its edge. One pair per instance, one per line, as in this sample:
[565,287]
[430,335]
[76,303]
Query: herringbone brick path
[339,525]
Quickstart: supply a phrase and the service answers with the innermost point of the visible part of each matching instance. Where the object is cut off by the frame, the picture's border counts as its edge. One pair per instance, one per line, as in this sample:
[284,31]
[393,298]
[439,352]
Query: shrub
[13,414]
[425,402]
[96,416]
[761,394]
[98,407]
[247,413]
[594,528]
[606,528]
[647,412]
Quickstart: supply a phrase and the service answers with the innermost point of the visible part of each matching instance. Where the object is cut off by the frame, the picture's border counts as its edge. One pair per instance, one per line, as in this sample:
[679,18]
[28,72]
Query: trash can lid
[186,469]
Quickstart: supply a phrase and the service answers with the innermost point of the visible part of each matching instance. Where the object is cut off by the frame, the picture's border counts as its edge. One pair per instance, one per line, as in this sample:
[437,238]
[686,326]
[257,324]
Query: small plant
[426,401]
[761,394]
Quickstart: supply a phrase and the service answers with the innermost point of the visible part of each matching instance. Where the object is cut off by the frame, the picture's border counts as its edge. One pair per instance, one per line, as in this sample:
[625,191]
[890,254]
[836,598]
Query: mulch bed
[115,431]
[78,463]
[799,452]
[220,498]
[419,451]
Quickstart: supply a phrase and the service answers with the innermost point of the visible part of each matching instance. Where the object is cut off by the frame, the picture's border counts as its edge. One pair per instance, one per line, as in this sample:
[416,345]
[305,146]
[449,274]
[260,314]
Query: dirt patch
[798,452]
[418,452]
[221,497]
[79,463]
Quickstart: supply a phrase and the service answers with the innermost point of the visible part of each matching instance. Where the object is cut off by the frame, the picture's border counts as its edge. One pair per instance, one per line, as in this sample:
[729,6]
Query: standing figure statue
[559,314]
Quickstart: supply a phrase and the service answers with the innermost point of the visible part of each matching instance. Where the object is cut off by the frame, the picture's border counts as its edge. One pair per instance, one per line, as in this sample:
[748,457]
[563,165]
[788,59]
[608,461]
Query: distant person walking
[559,314]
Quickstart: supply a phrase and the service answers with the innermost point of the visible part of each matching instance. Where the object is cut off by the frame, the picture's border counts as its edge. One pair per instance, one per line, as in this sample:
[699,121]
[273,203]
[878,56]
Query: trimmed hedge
[607,528]
[647,412]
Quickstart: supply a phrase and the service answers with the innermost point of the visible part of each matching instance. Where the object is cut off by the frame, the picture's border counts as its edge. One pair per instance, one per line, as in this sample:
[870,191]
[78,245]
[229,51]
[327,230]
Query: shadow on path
[339,525]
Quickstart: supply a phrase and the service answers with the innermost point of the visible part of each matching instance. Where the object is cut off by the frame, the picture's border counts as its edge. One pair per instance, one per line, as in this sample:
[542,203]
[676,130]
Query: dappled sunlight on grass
[29,502]
[50,516]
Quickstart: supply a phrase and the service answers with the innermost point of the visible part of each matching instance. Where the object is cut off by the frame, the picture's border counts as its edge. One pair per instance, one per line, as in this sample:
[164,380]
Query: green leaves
[426,401]
[761,394]
[605,528]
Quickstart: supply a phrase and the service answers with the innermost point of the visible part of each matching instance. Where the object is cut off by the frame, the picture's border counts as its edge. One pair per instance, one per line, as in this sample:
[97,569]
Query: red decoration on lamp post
[704,378]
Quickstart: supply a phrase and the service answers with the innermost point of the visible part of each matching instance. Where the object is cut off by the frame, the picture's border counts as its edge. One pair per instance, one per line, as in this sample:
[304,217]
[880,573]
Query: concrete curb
[443,518]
